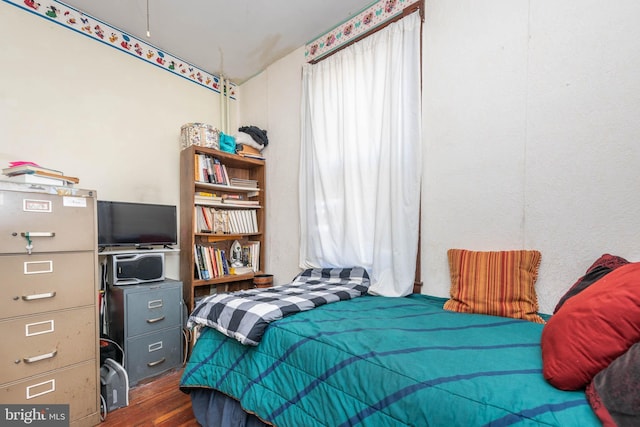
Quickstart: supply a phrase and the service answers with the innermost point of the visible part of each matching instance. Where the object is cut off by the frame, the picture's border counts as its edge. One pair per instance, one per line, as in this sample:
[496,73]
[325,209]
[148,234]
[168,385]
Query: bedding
[244,315]
[382,361]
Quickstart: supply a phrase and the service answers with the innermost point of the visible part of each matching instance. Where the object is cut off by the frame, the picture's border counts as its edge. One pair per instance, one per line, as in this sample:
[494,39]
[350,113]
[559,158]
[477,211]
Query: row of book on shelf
[209,169]
[225,221]
[211,262]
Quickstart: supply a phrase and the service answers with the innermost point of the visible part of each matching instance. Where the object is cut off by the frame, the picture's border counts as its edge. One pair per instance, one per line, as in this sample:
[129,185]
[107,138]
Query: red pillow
[592,329]
[603,266]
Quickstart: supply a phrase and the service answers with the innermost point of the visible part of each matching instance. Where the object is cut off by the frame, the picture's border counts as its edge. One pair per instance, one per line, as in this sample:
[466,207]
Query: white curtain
[360,165]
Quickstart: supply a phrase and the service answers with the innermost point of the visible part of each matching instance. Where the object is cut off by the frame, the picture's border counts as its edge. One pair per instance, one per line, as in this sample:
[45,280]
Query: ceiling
[236,38]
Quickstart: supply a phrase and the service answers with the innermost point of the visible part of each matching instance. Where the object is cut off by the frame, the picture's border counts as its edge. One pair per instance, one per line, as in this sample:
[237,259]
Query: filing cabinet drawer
[75,386]
[36,344]
[152,354]
[44,282]
[154,309]
[54,223]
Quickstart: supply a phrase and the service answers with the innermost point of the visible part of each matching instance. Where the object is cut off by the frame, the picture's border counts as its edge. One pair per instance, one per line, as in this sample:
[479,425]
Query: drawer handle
[28,234]
[38,296]
[156,363]
[154,304]
[40,357]
[156,320]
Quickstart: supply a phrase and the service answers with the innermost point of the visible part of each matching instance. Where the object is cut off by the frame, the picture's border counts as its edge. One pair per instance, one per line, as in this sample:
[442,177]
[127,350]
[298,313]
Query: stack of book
[244,183]
[35,174]
[249,151]
[205,198]
[238,200]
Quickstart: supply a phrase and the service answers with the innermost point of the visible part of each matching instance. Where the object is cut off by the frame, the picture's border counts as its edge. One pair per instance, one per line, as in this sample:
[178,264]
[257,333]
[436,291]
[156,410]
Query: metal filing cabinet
[146,320]
[48,299]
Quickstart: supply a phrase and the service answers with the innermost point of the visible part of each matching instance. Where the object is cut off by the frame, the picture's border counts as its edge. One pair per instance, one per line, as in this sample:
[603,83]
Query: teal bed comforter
[378,361]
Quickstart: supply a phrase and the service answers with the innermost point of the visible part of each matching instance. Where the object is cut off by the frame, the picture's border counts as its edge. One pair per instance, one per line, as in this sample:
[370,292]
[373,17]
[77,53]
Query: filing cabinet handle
[156,363]
[28,234]
[154,304]
[38,296]
[157,319]
[40,357]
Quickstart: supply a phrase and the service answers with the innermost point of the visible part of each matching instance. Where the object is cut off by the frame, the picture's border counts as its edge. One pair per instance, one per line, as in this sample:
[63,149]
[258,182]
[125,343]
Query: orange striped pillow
[499,283]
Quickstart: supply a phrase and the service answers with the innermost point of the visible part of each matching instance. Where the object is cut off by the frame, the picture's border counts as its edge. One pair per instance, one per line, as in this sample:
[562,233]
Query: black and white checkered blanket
[244,315]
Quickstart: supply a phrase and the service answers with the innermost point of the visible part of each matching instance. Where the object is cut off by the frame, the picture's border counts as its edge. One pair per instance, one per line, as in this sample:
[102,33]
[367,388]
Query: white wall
[70,103]
[530,133]
[273,103]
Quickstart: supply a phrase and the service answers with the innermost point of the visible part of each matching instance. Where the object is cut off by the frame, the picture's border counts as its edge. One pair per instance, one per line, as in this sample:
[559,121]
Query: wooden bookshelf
[192,234]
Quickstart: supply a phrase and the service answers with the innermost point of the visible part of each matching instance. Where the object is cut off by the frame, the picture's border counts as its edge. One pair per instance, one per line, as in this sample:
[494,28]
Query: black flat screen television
[136,224]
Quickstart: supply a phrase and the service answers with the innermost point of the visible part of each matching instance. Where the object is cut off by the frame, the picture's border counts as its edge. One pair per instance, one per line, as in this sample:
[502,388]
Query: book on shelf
[252,156]
[221,221]
[206,255]
[225,262]
[206,200]
[243,221]
[238,199]
[249,151]
[241,202]
[221,172]
[210,262]
[255,255]
[250,258]
[201,271]
[210,170]
[233,196]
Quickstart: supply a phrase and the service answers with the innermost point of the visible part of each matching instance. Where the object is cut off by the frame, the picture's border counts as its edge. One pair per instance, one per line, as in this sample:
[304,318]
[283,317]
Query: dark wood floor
[155,403]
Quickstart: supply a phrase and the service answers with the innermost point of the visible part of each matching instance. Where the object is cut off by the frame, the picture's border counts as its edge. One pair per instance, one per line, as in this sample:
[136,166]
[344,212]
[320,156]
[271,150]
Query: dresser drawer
[75,386]
[153,309]
[44,282]
[56,223]
[36,344]
[152,354]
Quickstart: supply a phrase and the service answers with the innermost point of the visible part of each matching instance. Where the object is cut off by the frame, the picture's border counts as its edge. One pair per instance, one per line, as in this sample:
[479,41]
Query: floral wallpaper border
[371,17]
[84,24]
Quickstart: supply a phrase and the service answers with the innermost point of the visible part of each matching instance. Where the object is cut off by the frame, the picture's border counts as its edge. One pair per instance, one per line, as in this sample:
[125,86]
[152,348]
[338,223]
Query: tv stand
[144,248]
[131,250]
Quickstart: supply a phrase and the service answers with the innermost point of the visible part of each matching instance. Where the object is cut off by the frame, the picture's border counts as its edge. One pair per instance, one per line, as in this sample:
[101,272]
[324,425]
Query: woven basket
[200,134]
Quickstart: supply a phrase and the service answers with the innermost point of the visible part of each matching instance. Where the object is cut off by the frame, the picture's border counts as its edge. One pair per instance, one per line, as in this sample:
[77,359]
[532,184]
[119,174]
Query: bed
[381,361]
